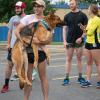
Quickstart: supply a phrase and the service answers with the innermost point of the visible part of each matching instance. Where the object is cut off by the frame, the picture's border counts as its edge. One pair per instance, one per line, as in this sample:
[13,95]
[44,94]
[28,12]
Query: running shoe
[5,89]
[66,82]
[81,80]
[86,84]
[14,78]
[98,85]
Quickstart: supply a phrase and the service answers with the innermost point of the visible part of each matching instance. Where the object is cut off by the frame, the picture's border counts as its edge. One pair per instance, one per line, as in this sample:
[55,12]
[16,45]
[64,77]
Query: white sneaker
[14,78]
[34,74]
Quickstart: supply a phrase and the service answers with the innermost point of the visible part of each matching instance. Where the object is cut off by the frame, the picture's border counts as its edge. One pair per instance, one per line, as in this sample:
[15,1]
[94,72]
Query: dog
[44,34]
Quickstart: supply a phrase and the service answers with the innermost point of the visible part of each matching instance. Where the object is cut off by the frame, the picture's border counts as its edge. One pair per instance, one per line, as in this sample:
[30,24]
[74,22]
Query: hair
[74,0]
[94,9]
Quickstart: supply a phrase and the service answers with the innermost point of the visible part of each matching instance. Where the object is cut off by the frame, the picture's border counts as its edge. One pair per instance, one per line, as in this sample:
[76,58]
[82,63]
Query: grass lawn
[57,43]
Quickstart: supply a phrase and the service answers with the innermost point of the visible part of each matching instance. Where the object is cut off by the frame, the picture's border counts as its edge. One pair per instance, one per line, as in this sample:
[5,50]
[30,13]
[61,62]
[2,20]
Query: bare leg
[8,71]
[89,59]
[28,88]
[43,78]
[79,58]
[69,55]
[96,58]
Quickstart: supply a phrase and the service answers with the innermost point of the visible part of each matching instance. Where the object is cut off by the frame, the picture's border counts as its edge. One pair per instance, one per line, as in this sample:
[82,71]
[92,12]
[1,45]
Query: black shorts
[41,54]
[91,46]
[74,45]
[9,54]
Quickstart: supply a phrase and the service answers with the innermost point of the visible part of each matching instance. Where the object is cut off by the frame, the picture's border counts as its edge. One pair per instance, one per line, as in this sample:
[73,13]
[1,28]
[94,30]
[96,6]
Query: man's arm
[18,30]
[9,38]
[64,35]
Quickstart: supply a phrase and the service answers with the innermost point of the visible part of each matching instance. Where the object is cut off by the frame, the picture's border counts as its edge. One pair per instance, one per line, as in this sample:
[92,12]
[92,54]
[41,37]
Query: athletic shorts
[9,54]
[42,56]
[74,45]
[91,46]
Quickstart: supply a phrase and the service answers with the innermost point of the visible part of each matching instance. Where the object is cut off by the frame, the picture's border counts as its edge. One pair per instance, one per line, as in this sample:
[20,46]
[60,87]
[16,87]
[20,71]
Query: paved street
[56,73]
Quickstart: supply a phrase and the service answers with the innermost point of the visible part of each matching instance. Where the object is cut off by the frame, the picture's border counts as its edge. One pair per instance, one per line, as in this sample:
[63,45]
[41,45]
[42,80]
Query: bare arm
[18,29]
[64,35]
[9,38]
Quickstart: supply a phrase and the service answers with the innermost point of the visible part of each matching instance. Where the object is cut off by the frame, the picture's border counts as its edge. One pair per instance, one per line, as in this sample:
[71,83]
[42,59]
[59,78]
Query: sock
[67,76]
[6,81]
[80,75]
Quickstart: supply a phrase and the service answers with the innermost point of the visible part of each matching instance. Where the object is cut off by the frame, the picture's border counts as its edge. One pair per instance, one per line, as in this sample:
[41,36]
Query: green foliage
[7,8]
[91,1]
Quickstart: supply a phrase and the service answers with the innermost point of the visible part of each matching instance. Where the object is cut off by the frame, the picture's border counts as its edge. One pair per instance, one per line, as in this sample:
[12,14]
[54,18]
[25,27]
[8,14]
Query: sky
[54,1]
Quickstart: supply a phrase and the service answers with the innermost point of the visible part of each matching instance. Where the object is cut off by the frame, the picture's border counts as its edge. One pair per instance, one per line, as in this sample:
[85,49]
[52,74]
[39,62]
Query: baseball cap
[20,4]
[39,2]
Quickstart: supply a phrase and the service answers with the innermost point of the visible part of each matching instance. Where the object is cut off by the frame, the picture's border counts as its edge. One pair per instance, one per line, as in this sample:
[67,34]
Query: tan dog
[19,55]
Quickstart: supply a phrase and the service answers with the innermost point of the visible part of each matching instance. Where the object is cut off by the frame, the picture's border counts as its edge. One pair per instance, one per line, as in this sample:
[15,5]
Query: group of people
[75,29]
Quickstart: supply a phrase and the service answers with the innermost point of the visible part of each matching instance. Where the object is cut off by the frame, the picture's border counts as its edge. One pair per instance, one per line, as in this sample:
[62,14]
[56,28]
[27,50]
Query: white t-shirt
[14,21]
[28,19]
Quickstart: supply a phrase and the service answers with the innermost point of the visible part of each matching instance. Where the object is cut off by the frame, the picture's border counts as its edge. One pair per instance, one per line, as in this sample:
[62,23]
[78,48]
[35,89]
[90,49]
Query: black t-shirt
[72,20]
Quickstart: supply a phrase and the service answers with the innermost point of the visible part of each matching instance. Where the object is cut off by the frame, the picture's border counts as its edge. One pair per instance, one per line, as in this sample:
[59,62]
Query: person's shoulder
[97,19]
[28,16]
[68,14]
[13,17]
[82,13]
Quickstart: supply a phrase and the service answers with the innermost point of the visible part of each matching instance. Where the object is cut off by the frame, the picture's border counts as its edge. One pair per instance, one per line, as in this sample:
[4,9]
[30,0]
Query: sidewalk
[3,45]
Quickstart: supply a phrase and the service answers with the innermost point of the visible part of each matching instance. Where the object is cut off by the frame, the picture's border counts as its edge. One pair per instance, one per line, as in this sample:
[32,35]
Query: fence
[57,37]
[3,33]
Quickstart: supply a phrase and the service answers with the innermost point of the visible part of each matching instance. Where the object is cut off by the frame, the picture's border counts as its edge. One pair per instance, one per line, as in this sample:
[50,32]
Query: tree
[90,1]
[7,8]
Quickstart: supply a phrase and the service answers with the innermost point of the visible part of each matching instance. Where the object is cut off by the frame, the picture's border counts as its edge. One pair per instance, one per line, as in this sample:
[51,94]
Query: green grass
[57,43]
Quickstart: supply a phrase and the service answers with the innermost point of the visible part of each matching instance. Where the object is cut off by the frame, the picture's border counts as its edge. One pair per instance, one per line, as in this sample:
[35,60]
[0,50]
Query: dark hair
[94,9]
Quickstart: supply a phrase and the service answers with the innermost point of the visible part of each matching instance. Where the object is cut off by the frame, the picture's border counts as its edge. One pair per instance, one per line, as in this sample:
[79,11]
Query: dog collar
[45,25]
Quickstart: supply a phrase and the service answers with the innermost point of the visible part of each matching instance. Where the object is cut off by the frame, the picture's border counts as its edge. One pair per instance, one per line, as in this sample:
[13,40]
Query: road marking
[71,77]
[56,66]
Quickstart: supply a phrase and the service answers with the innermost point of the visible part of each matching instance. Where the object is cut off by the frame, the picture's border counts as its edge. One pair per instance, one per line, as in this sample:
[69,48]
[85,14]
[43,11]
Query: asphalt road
[55,73]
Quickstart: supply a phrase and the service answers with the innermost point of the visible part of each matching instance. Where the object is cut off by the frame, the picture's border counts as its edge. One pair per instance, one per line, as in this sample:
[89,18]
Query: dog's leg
[35,51]
[26,68]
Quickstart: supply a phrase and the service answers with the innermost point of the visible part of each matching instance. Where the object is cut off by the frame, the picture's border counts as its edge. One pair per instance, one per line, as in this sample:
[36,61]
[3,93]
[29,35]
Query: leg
[69,55]
[79,52]
[89,59]
[44,81]
[8,73]
[89,64]
[42,74]
[28,88]
[96,58]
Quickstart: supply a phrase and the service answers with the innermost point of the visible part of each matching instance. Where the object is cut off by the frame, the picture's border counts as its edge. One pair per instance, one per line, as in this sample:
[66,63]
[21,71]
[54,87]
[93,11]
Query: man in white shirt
[13,23]
[39,7]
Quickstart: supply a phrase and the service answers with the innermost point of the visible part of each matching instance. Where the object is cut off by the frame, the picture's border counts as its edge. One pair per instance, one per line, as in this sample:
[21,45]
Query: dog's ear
[51,13]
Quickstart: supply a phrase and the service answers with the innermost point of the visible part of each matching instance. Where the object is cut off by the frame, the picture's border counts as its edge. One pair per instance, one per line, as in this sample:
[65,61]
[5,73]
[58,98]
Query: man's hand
[83,28]
[79,40]
[8,46]
[35,40]
[65,43]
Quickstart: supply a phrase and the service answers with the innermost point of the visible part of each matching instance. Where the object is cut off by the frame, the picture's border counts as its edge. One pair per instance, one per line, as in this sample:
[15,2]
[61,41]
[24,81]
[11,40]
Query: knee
[69,59]
[79,59]
[89,62]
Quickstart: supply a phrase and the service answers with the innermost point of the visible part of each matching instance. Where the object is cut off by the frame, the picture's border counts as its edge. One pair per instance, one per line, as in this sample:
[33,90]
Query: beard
[18,13]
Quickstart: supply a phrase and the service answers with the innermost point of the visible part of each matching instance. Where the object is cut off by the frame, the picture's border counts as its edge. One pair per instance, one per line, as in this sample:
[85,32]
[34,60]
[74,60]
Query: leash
[45,25]
[35,27]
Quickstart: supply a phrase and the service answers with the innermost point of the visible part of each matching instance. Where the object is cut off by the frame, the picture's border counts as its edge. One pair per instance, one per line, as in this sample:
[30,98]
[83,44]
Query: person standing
[13,23]
[39,7]
[92,45]
[72,39]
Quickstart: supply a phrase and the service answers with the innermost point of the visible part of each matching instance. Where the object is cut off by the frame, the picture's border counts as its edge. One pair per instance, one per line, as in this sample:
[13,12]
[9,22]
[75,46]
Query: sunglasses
[17,7]
[38,6]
